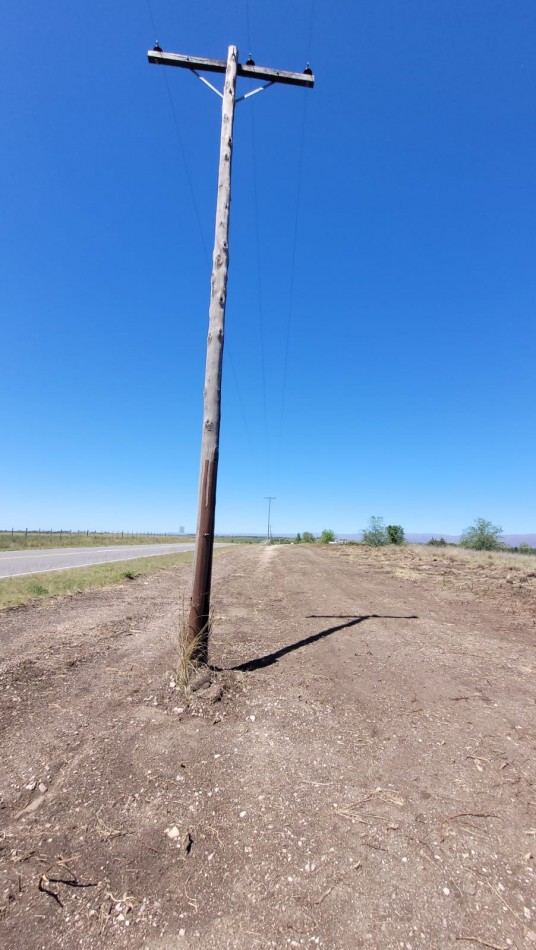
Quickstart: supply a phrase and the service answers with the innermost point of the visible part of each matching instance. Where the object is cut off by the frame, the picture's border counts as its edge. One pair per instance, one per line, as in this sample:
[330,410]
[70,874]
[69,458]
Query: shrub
[481,536]
[438,544]
[376,533]
[327,536]
[395,534]
[308,537]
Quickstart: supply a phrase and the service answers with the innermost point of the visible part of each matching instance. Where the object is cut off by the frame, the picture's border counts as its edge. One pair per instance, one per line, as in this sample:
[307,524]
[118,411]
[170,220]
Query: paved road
[15,563]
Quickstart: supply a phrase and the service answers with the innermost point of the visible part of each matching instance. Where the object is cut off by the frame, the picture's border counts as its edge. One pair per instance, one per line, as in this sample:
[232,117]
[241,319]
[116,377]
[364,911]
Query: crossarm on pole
[218,66]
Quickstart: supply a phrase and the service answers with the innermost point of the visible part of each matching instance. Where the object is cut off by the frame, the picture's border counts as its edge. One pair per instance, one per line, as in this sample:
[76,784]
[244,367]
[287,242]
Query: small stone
[201,679]
[31,786]
[243,814]
[214,693]
[173,832]
[182,932]
[446,891]
[42,788]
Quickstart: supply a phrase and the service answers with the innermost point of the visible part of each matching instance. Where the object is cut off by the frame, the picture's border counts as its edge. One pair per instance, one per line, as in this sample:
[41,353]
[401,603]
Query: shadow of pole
[270,658]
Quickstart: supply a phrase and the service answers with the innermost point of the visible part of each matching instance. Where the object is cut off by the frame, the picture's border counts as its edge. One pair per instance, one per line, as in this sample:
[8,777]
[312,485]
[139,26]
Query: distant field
[22,540]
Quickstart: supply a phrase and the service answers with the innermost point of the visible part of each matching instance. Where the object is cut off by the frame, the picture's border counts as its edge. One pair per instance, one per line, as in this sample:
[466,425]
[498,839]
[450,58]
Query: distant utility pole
[198,623]
[269,499]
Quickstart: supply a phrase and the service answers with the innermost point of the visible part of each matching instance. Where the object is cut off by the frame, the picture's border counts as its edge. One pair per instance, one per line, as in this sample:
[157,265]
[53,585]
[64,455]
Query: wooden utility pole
[199,619]
[269,499]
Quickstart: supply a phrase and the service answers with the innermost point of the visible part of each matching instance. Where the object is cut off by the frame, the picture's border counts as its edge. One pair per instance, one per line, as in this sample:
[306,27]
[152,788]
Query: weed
[15,591]
[187,653]
[38,590]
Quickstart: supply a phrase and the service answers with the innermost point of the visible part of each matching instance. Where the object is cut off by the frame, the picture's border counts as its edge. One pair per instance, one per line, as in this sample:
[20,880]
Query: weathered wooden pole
[199,619]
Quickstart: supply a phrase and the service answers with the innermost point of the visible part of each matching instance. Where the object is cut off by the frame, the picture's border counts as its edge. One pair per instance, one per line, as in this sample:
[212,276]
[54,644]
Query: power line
[292,282]
[293,254]
[259,287]
[187,169]
[311,23]
[199,224]
[248,27]
[269,499]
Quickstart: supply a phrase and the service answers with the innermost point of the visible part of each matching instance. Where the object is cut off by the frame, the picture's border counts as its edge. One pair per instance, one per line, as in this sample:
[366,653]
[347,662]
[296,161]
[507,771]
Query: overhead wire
[199,223]
[291,292]
[258,261]
[293,252]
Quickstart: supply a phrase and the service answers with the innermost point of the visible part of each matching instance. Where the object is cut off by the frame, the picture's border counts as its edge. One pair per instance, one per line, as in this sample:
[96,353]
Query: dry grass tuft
[187,664]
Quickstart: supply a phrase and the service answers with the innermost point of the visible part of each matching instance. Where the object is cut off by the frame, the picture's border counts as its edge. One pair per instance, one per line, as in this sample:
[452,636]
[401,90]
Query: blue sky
[380,340]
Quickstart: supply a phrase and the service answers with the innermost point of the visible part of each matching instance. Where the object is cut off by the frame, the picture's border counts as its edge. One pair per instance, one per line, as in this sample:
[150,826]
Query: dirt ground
[360,772]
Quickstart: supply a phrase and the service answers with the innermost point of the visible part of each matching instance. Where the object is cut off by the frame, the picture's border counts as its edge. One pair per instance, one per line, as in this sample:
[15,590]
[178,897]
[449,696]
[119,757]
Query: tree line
[482,535]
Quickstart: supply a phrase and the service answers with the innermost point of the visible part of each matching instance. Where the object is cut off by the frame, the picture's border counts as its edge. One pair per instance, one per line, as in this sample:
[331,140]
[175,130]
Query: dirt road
[366,779]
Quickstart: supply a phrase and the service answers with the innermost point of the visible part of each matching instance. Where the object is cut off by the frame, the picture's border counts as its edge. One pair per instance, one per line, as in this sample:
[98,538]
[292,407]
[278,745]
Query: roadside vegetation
[378,534]
[29,540]
[482,535]
[15,591]
[327,536]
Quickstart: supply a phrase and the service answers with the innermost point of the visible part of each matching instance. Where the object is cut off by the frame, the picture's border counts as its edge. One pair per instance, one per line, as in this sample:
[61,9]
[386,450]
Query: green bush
[327,536]
[437,544]
[376,533]
[482,536]
[395,534]
[308,537]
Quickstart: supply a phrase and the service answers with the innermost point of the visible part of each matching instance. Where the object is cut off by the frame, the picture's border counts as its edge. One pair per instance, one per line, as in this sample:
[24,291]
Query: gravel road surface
[356,773]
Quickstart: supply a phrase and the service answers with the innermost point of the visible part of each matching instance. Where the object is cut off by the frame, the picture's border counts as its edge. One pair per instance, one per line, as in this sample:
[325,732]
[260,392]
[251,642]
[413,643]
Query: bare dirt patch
[358,772]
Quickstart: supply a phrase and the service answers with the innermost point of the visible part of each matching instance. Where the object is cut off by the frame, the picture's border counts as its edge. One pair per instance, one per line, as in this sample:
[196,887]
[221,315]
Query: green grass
[22,540]
[15,591]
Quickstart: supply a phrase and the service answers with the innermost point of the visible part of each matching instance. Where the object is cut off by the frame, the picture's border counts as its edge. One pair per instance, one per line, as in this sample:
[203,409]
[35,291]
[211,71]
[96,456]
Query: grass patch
[16,591]
[186,663]
[41,540]
[30,540]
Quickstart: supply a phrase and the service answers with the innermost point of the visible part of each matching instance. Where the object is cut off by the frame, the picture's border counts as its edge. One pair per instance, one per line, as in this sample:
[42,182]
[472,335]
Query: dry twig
[341,880]
[45,880]
[483,943]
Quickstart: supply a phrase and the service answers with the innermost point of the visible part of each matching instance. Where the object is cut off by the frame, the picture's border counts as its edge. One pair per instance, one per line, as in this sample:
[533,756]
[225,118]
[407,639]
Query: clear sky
[380,336]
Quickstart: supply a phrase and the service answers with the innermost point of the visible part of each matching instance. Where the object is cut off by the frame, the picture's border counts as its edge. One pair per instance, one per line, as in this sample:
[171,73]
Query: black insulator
[157,48]
[250,61]
[308,71]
